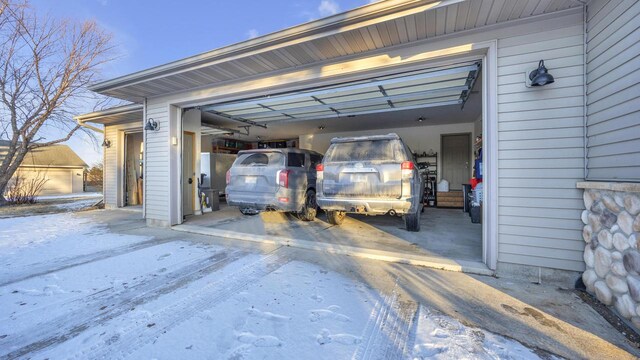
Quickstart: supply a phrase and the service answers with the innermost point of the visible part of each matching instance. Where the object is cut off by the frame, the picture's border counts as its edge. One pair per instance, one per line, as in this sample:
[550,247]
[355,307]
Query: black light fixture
[152,125]
[106,143]
[540,76]
[420,119]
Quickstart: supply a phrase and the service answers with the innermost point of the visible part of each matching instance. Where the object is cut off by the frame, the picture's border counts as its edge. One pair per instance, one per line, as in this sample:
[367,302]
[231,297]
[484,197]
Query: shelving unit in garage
[430,176]
[229,146]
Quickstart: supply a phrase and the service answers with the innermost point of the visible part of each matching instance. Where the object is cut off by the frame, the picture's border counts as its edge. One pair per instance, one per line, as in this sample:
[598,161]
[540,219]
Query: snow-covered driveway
[69,288]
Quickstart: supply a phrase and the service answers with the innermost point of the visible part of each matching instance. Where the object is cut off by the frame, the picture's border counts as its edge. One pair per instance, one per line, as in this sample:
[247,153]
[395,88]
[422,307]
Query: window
[260,159]
[367,150]
[315,160]
[295,160]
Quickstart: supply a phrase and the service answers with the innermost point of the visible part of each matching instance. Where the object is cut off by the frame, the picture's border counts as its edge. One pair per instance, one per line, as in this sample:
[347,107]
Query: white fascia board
[360,17]
[120,110]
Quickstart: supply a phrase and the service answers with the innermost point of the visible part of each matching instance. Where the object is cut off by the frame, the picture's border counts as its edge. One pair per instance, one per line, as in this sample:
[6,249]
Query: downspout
[584,86]
[90,127]
[144,159]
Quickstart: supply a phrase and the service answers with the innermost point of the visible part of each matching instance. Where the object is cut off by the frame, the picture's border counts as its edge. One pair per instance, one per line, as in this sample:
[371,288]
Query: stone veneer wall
[612,252]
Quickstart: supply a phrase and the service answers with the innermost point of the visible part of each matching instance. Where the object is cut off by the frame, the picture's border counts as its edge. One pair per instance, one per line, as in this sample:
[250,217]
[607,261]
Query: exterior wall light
[152,125]
[540,76]
[106,143]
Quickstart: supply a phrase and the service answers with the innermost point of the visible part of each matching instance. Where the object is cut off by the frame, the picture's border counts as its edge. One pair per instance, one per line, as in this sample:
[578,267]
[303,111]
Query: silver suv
[274,180]
[372,175]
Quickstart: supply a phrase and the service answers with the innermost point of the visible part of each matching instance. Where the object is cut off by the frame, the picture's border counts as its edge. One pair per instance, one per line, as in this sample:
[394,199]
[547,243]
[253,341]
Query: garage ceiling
[434,87]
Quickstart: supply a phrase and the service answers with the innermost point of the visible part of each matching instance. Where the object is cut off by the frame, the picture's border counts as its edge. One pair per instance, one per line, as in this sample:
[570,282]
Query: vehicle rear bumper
[369,206]
[262,202]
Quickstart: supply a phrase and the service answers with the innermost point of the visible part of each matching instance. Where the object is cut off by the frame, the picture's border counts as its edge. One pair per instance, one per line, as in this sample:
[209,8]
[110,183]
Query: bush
[25,191]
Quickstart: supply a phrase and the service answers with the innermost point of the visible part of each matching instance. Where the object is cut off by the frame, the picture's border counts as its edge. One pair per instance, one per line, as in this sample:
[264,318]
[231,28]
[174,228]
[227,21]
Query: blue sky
[149,33]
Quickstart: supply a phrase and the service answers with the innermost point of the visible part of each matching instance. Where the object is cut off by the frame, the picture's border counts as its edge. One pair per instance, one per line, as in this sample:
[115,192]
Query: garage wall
[112,184]
[540,133]
[541,149]
[59,180]
[157,166]
[613,90]
[419,139]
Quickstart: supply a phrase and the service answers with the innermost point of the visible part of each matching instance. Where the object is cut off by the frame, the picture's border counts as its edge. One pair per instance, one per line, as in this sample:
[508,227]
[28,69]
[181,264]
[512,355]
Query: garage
[436,111]
[403,67]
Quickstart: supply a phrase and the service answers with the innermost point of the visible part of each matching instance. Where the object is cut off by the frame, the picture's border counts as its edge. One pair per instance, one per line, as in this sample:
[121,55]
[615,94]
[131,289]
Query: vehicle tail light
[320,167]
[228,176]
[407,169]
[407,165]
[283,178]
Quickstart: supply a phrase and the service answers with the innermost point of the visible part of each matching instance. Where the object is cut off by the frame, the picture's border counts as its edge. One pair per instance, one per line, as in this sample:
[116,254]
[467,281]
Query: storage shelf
[430,187]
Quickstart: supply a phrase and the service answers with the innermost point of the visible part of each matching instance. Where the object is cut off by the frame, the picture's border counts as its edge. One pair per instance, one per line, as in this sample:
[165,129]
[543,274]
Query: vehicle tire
[310,208]
[336,217]
[412,221]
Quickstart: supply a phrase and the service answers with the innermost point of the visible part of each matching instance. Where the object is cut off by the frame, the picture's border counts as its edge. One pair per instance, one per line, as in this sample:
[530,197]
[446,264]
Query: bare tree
[23,189]
[45,67]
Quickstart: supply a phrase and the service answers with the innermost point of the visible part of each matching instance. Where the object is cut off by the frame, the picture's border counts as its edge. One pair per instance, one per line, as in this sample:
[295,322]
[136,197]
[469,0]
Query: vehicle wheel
[310,208]
[336,217]
[412,221]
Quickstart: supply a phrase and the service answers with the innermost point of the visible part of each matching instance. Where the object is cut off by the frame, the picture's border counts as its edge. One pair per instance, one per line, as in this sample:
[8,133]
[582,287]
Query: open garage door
[420,106]
[416,90]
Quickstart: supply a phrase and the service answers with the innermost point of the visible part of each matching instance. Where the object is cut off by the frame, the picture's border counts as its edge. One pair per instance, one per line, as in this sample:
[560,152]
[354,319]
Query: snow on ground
[28,244]
[71,196]
[122,296]
[76,205]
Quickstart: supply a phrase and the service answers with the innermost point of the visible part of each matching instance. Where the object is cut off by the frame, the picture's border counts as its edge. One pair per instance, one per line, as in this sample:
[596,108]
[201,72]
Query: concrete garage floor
[447,239]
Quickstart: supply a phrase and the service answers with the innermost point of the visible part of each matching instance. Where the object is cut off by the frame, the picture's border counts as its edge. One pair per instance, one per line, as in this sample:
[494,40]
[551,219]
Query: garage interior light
[450,85]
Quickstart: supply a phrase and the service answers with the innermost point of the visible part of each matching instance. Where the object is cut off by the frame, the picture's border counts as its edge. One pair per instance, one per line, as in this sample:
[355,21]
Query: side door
[456,157]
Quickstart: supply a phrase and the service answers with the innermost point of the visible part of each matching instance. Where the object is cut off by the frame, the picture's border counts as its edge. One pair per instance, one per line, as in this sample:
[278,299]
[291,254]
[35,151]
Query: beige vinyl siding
[77,180]
[112,184]
[613,90]
[157,167]
[541,149]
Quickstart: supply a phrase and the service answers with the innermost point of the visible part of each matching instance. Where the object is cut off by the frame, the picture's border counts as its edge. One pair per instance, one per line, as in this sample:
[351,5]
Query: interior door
[188,174]
[456,159]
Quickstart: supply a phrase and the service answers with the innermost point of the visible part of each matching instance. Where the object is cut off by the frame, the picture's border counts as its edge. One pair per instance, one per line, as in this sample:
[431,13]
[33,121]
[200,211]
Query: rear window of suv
[295,160]
[367,150]
[260,159]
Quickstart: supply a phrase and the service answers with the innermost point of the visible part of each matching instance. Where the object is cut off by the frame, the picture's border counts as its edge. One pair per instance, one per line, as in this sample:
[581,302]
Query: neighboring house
[408,67]
[61,166]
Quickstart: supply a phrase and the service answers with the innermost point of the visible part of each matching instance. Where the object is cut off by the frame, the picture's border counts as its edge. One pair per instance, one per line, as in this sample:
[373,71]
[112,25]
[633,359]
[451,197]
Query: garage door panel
[422,89]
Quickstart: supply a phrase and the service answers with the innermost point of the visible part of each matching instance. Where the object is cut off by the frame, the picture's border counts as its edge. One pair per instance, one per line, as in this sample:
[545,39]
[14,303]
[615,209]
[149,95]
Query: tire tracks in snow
[388,332]
[125,341]
[68,263]
[106,305]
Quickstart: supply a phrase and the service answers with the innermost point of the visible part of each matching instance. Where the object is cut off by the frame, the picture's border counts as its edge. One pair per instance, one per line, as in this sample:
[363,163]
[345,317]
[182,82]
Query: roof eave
[97,115]
[338,21]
